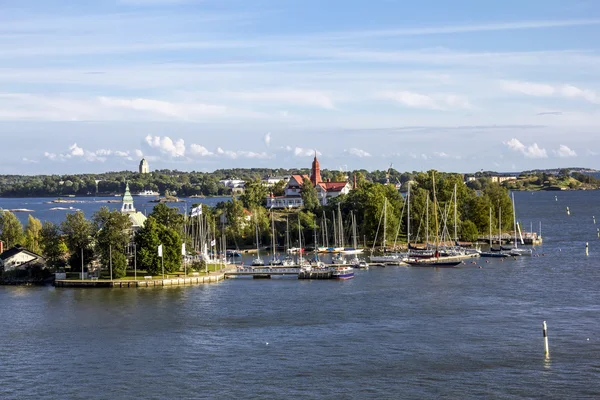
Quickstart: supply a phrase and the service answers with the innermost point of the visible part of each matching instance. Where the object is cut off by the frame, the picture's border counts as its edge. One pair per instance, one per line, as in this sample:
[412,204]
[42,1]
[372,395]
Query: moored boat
[345,272]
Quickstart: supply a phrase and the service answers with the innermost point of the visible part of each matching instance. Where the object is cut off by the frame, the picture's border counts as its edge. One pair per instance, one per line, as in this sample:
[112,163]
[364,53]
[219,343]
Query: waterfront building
[144,167]
[292,197]
[137,218]
[20,258]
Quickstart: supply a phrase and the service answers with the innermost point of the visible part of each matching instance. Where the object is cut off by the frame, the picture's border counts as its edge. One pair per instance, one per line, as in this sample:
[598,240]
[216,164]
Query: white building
[19,258]
[233,183]
[271,181]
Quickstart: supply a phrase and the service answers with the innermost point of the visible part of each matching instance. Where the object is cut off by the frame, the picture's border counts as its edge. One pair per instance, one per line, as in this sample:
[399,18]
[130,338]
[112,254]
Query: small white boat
[147,193]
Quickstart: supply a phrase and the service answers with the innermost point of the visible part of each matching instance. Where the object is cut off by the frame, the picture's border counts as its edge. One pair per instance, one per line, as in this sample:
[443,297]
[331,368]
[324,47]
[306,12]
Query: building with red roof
[293,196]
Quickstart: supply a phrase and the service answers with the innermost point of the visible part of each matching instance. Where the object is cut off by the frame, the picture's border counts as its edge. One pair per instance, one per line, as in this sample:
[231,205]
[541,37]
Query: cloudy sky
[456,85]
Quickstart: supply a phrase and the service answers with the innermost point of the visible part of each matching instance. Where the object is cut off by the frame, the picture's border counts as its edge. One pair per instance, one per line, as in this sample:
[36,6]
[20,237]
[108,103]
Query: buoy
[267,343]
[586,248]
[568,212]
[545,332]
[594,218]
[555,198]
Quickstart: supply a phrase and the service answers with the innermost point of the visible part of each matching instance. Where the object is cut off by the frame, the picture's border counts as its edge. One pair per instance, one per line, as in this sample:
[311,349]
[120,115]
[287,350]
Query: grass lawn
[142,273]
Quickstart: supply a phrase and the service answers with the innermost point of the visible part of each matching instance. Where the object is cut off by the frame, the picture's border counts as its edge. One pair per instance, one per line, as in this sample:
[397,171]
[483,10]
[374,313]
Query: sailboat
[516,251]
[385,258]
[354,249]
[274,259]
[492,253]
[356,262]
[288,261]
[436,260]
[257,262]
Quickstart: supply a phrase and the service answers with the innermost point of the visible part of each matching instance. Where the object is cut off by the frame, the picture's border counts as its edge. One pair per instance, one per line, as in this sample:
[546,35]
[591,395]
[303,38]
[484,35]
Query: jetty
[145,281]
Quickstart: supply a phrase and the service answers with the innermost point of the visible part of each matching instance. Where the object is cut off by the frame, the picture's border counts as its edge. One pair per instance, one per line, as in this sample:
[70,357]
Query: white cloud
[565,152]
[432,102]
[76,151]
[50,156]
[302,152]
[297,97]
[199,150]
[122,153]
[178,110]
[29,161]
[139,153]
[166,145]
[357,152]
[532,151]
[267,139]
[546,90]
[242,154]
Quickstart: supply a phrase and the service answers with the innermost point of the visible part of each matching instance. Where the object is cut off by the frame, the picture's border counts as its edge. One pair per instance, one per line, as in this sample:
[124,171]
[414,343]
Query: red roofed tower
[315,175]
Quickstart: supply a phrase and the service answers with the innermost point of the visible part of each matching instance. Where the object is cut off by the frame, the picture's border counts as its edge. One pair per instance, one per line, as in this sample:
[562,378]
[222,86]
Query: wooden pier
[101,283]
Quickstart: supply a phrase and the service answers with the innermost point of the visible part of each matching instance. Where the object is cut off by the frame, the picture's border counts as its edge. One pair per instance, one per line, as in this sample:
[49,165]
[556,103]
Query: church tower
[127,207]
[315,175]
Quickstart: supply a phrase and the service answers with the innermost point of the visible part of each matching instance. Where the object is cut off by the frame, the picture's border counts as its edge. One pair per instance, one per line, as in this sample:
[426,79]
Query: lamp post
[110,260]
[82,263]
[134,261]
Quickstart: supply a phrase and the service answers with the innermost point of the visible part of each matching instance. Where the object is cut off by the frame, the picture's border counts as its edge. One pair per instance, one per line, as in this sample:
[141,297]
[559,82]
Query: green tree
[147,241]
[309,196]
[255,194]
[468,231]
[33,231]
[78,233]
[11,230]
[53,246]
[168,216]
[112,236]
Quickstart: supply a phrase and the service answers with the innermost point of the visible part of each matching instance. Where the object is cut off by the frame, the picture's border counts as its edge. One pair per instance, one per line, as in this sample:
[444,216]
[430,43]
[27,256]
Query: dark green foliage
[149,238]
[309,196]
[53,246]
[78,233]
[113,234]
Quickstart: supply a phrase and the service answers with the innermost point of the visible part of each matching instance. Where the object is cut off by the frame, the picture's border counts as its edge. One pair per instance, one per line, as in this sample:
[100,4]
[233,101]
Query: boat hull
[433,263]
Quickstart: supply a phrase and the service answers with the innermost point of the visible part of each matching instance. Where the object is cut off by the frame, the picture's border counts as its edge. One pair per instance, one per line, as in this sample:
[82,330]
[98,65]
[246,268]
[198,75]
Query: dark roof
[16,250]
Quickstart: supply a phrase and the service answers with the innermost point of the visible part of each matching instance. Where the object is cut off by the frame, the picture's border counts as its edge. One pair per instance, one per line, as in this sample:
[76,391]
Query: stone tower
[315,175]
[144,167]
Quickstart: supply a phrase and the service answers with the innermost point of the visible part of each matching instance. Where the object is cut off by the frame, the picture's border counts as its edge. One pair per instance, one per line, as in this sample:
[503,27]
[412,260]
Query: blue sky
[456,85]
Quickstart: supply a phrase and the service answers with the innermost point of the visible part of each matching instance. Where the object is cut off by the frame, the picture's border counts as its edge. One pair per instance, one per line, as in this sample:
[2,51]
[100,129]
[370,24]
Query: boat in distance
[147,193]
[433,262]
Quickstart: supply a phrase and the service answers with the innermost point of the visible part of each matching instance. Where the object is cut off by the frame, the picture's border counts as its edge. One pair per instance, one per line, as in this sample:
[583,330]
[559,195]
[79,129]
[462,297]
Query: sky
[454,85]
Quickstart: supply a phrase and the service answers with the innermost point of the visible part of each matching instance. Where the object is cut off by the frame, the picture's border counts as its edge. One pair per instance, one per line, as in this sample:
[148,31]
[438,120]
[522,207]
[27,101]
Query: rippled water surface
[395,332]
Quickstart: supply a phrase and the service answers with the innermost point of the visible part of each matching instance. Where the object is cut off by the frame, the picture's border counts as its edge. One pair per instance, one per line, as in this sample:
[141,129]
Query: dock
[212,277]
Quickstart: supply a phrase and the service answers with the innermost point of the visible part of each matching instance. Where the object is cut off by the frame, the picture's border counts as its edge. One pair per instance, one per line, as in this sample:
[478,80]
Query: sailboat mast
[490,228]
[408,216]
[341,226]
[335,241]
[384,221]
[427,220]
[514,219]
[455,213]
[256,226]
[299,238]
[354,229]
[435,215]
[326,242]
[272,235]
[287,233]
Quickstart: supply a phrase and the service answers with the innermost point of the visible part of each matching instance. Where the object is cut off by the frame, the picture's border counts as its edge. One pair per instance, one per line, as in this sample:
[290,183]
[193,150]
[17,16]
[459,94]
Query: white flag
[183,249]
[196,211]
[213,242]
[160,251]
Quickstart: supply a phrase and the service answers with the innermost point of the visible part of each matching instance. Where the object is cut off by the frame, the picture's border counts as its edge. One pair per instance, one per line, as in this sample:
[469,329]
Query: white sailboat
[516,251]
[257,262]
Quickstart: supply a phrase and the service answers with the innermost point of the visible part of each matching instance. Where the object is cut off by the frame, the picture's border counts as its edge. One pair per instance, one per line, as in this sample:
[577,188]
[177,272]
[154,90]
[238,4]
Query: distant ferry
[147,193]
